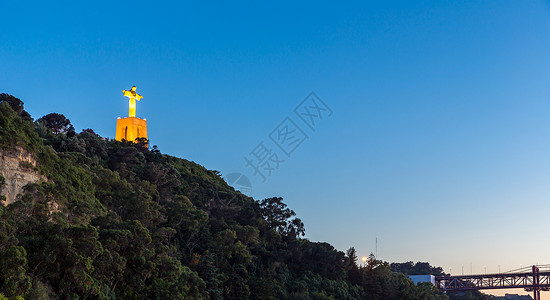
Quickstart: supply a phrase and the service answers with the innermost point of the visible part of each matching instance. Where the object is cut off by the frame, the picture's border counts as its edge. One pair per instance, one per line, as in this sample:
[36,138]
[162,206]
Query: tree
[57,123]
[210,274]
[277,216]
[419,268]
[351,266]
[90,131]
[15,103]
[13,263]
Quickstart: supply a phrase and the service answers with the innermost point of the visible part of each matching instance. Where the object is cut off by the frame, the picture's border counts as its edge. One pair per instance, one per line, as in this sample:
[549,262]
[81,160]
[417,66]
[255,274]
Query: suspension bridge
[533,279]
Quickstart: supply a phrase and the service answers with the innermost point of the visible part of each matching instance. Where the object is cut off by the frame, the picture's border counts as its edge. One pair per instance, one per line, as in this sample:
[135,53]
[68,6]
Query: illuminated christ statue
[133,97]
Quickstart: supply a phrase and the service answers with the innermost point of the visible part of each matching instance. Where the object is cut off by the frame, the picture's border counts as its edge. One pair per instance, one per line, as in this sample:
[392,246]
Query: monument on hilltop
[131,128]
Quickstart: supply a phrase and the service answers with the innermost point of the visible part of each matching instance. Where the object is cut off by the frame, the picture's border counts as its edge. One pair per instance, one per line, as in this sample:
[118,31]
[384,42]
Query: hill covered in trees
[117,220]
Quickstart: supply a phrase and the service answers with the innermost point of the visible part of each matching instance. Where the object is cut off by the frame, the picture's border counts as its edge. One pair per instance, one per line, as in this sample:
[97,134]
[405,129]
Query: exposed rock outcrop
[18,169]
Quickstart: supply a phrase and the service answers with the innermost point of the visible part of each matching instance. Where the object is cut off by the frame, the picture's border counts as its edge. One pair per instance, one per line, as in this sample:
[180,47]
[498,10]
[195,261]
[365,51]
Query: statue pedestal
[130,129]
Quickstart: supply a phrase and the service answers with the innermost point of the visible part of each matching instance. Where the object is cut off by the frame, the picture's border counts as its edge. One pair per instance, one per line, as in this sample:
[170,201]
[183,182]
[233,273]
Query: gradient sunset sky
[438,141]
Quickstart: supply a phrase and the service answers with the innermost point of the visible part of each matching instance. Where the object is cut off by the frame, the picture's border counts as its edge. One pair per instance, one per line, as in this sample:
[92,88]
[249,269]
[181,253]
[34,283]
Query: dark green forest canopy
[116,220]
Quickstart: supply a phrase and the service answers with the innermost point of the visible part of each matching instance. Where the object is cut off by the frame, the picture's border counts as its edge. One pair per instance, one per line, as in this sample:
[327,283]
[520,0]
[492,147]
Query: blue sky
[438,141]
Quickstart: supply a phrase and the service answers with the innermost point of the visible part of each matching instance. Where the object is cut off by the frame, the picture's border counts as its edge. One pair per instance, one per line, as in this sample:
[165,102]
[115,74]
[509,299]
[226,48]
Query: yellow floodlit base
[130,129]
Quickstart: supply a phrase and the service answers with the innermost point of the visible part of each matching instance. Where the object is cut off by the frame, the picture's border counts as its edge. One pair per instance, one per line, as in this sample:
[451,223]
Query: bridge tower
[536,283]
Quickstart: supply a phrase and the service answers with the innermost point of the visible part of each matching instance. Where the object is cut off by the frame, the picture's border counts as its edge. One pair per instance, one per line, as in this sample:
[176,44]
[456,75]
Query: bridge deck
[493,281]
[535,281]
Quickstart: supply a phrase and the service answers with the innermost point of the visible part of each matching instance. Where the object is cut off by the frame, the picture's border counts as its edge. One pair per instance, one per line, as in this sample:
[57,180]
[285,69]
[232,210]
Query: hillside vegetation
[116,220]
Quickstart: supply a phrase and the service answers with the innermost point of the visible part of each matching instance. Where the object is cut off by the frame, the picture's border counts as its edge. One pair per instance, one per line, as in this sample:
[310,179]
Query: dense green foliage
[119,221]
[419,268]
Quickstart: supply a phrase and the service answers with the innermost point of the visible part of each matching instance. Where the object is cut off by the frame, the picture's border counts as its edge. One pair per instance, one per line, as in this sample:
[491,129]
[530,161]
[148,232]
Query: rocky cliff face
[18,169]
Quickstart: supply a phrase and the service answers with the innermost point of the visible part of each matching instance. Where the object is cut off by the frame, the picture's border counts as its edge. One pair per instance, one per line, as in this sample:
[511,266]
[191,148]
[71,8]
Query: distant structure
[131,128]
[422,278]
